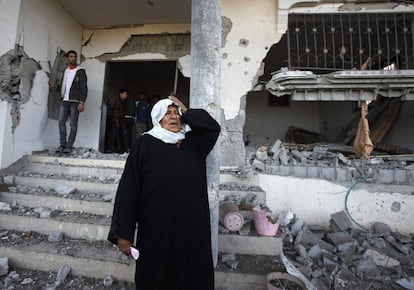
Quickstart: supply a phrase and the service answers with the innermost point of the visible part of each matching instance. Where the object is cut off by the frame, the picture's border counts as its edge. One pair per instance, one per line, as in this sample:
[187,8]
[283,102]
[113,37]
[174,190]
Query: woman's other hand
[177,102]
[124,246]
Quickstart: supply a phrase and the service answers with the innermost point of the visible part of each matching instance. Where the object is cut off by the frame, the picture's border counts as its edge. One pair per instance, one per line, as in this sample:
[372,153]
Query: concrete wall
[43,27]
[314,200]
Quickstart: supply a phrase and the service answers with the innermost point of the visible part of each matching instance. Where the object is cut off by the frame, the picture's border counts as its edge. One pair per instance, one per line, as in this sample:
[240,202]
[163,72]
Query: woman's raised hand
[177,102]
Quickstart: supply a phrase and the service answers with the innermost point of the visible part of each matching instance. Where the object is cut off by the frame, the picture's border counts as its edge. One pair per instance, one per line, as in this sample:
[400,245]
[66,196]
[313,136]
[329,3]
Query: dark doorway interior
[150,77]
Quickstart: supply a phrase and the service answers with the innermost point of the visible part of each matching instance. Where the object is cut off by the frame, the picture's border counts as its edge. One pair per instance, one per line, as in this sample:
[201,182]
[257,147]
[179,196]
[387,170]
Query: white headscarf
[157,113]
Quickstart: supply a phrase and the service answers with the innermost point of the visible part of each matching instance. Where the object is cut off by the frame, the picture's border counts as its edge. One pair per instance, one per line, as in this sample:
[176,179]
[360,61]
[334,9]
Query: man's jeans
[66,109]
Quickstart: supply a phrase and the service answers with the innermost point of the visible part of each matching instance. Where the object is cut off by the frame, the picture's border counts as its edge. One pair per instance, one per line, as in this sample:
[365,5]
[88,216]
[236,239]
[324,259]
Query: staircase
[41,206]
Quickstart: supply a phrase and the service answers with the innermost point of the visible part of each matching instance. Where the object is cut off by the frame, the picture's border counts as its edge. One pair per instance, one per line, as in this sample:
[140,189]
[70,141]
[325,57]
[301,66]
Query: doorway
[151,77]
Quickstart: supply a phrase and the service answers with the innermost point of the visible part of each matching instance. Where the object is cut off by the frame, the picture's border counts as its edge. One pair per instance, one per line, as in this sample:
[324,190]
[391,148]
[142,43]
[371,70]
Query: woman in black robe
[163,191]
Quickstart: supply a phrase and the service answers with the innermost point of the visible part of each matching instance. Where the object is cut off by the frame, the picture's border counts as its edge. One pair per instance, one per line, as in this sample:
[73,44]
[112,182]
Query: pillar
[205,89]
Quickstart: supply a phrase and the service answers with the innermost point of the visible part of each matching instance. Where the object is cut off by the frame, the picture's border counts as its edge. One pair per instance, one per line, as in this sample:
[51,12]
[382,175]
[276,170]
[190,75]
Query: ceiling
[127,13]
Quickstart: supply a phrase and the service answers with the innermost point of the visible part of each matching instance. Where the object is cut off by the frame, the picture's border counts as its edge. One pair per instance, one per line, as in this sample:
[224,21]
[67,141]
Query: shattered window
[345,41]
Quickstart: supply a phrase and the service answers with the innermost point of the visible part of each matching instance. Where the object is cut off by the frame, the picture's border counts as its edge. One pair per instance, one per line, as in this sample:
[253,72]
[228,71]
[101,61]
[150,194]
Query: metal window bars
[344,41]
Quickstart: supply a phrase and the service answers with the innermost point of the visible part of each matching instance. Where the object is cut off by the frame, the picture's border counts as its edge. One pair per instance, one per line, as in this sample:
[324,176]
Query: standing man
[73,96]
[142,114]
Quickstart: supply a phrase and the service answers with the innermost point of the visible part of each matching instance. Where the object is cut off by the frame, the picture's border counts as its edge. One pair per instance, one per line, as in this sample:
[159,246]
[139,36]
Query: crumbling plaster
[314,200]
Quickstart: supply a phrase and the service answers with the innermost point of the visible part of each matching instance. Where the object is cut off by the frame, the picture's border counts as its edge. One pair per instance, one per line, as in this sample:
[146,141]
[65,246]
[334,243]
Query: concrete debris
[381,259]
[55,237]
[8,179]
[5,206]
[228,257]
[334,162]
[62,273]
[406,283]
[341,220]
[27,281]
[342,257]
[246,228]
[108,281]
[4,266]
[109,197]
[64,190]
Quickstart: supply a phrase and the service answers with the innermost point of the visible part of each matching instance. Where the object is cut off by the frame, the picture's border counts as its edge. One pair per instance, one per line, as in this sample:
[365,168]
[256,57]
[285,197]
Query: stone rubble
[321,161]
[343,257]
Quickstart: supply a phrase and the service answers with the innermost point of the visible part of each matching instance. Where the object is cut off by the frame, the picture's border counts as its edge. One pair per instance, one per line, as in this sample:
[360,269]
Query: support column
[205,89]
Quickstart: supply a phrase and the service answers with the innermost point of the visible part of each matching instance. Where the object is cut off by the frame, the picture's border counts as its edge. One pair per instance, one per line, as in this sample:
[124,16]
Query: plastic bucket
[262,224]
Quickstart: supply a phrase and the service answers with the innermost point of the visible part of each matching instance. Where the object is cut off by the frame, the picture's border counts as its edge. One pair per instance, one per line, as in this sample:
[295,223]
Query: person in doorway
[73,96]
[142,114]
[163,189]
[118,119]
[128,126]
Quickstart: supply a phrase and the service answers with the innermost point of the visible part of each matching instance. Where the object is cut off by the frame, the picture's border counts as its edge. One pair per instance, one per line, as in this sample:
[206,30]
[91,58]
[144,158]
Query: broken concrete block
[378,243]
[301,251]
[298,156]
[402,248]
[64,190]
[381,259]
[306,239]
[283,156]
[340,238]
[275,149]
[4,266]
[228,257]
[382,229]
[296,227]
[261,153]
[55,237]
[345,279]
[343,159]
[341,220]
[26,281]
[63,272]
[108,281]
[5,206]
[315,252]
[402,238]
[8,179]
[257,164]
[407,283]
[367,267]
[348,248]
[109,197]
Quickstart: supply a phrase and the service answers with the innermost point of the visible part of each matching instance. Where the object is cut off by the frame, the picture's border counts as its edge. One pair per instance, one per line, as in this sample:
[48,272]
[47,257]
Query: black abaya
[163,188]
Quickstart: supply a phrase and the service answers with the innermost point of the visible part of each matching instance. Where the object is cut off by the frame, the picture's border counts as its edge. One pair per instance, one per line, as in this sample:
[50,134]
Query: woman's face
[171,120]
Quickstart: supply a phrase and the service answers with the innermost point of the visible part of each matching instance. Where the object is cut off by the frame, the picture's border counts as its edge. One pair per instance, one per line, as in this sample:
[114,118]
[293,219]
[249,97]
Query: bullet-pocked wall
[252,32]
[42,28]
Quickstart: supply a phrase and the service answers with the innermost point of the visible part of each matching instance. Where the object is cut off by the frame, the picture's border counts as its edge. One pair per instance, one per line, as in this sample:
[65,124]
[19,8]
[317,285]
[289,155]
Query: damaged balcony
[317,80]
[350,85]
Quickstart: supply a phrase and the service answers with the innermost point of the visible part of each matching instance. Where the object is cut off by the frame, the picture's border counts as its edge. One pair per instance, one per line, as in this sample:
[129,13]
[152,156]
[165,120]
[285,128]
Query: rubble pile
[344,257]
[328,162]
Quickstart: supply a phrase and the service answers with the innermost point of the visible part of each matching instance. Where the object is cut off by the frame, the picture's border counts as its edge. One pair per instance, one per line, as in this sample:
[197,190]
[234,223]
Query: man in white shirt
[74,91]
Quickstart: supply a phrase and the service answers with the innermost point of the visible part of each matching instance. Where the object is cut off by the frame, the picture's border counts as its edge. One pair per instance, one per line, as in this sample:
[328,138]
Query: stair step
[104,163]
[71,224]
[72,170]
[56,202]
[81,186]
[250,245]
[96,260]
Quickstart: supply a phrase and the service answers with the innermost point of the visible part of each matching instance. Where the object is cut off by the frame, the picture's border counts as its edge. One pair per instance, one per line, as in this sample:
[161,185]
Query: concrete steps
[89,221]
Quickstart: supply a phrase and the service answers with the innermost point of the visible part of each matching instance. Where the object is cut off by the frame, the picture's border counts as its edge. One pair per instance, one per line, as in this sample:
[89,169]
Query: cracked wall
[17,72]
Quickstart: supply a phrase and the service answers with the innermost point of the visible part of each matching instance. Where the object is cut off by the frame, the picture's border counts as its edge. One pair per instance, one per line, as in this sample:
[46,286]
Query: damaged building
[288,80]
